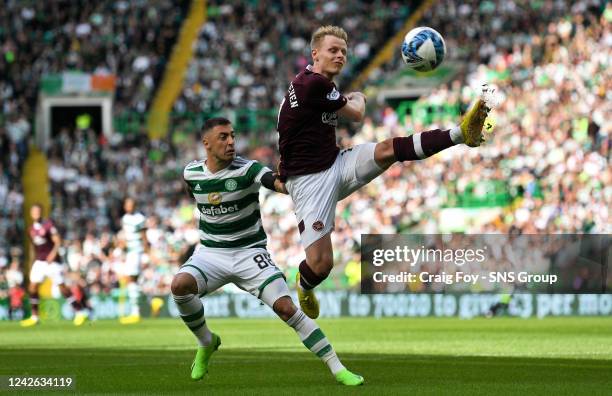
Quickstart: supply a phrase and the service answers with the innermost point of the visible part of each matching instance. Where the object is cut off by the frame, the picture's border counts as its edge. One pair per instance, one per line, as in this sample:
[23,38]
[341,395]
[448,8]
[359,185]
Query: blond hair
[328,30]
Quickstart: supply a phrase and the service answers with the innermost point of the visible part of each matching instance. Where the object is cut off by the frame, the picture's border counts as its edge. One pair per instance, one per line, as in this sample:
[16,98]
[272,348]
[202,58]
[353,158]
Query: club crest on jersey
[333,95]
[231,185]
[214,198]
[318,225]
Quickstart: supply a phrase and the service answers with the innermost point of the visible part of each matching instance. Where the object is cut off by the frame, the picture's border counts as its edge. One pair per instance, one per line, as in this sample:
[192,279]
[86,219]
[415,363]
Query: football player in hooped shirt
[46,242]
[318,174]
[233,249]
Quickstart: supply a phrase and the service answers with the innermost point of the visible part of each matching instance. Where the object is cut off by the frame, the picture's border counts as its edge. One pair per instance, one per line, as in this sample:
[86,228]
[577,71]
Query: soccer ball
[423,49]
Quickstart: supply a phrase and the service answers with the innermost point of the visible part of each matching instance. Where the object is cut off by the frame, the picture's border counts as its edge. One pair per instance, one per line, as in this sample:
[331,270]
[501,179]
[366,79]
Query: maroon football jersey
[307,125]
[40,234]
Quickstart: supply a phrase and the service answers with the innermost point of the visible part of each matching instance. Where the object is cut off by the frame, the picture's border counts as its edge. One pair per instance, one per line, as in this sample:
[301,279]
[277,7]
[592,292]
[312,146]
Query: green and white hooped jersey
[133,224]
[228,203]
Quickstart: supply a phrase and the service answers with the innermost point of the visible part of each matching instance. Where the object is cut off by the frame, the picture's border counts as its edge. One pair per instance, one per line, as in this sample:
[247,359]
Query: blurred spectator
[248,52]
[550,150]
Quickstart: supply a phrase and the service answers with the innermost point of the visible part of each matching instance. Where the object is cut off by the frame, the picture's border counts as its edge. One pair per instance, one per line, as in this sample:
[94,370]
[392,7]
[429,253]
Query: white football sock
[192,313]
[313,338]
[133,292]
[456,135]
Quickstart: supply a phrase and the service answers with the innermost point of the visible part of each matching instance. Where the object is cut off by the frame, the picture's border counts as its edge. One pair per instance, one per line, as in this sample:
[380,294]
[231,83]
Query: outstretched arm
[271,181]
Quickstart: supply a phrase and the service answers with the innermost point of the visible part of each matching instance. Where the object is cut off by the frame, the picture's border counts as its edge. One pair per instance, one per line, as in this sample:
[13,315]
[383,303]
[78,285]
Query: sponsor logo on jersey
[39,240]
[197,188]
[231,185]
[318,225]
[215,198]
[220,210]
[329,119]
[333,95]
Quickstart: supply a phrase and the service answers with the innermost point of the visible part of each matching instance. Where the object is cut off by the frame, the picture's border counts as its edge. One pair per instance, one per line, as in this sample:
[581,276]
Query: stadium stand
[550,153]
[547,167]
[129,39]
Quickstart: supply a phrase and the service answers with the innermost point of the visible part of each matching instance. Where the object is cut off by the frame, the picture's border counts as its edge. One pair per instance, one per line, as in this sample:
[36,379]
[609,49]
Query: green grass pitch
[396,356]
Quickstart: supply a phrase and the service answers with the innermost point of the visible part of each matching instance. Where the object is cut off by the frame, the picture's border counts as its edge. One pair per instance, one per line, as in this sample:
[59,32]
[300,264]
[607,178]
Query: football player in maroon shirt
[318,174]
[45,243]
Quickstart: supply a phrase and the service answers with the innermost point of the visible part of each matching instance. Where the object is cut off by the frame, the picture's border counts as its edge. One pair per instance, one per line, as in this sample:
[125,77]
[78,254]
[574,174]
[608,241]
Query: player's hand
[355,95]
[280,187]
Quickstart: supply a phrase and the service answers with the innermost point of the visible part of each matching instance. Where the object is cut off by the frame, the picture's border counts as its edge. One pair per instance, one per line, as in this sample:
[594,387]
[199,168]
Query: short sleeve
[259,171]
[322,94]
[141,222]
[50,227]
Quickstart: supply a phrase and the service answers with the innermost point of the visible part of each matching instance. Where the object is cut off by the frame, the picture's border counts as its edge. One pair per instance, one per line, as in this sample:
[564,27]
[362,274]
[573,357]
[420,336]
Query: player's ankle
[334,365]
[308,278]
[456,135]
[205,340]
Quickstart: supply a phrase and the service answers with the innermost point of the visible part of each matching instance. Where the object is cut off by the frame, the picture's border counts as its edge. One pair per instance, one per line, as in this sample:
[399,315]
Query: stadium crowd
[550,148]
[130,39]
[246,53]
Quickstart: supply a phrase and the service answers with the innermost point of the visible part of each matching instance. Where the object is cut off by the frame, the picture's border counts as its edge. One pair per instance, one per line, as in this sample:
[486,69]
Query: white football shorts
[251,269]
[315,195]
[42,269]
[131,265]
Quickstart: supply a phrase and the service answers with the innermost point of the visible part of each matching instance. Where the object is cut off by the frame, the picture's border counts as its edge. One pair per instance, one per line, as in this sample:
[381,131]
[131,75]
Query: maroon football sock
[308,279]
[421,145]
[34,303]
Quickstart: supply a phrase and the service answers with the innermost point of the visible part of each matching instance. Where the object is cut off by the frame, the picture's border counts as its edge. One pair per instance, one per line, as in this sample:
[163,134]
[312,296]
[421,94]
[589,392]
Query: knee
[183,284]
[284,308]
[385,148]
[384,154]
